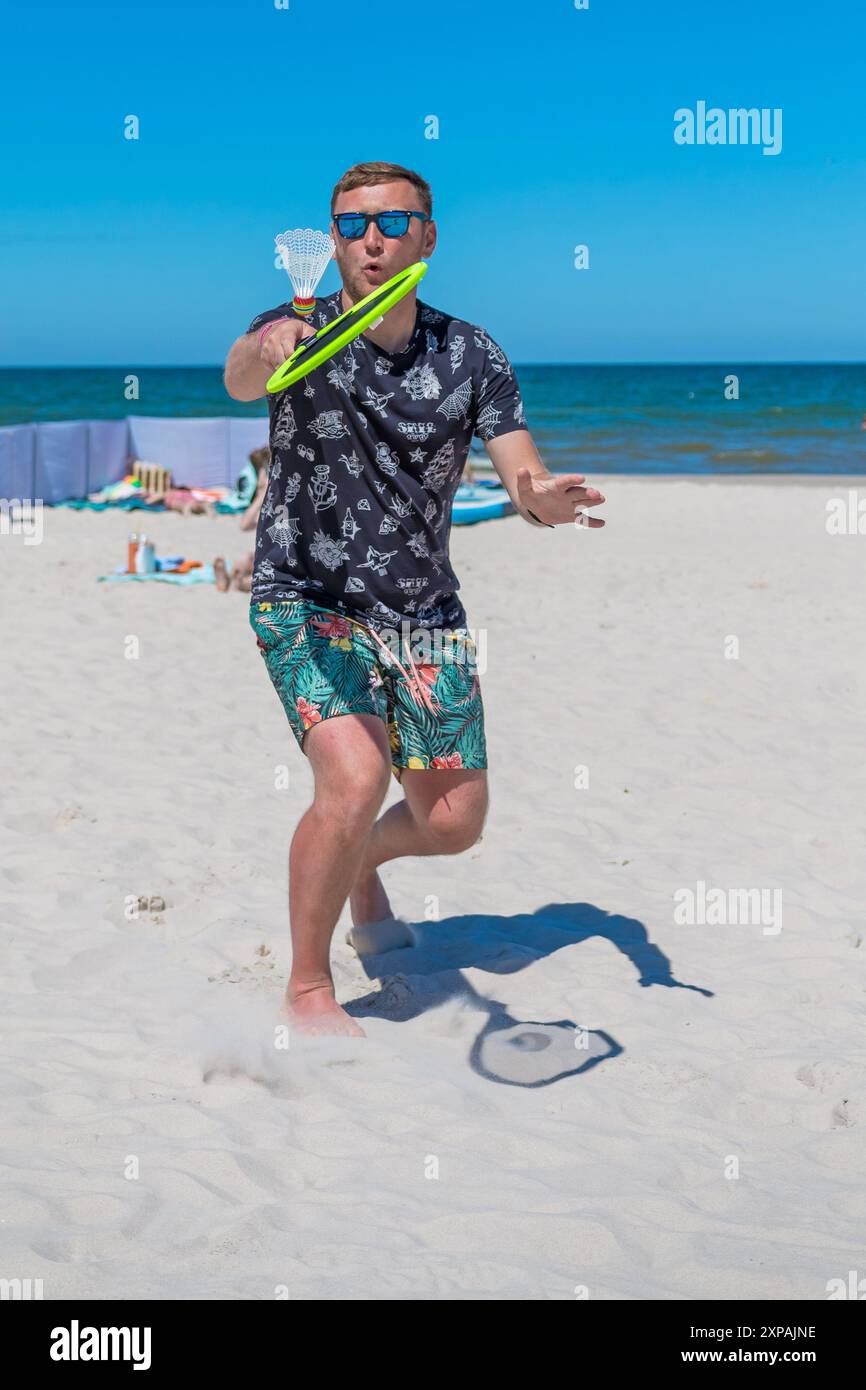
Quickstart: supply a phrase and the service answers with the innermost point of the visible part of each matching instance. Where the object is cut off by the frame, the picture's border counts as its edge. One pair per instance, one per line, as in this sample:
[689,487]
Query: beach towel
[202,575]
[244,491]
[125,504]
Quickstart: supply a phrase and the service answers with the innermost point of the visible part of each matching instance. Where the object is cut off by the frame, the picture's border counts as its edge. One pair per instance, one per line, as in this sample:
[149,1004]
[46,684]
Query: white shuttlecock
[305,254]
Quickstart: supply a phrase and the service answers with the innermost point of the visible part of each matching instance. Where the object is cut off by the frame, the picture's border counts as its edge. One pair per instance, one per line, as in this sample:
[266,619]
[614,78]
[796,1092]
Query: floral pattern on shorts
[323,664]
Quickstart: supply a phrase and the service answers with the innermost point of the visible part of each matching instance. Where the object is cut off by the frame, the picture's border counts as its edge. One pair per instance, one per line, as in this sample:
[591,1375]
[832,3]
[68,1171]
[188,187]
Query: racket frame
[306,357]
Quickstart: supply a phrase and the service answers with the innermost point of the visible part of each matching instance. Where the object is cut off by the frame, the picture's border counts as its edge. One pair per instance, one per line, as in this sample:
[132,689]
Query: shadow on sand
[427,972]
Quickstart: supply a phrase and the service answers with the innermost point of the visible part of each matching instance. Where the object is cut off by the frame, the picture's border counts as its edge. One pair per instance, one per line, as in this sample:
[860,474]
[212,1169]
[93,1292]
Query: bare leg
[220,574]
[241,574]
[368,900]
[351,763]
[442,812]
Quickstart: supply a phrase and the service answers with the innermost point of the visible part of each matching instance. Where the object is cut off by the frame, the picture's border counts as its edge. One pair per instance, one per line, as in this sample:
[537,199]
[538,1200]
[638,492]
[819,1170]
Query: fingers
[581,513]
[279,345]
[272,350]
[585,497]
[571,486]
[581,498]
[277,348]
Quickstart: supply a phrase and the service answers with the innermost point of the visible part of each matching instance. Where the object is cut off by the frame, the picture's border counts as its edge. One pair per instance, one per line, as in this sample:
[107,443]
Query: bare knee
[452,831]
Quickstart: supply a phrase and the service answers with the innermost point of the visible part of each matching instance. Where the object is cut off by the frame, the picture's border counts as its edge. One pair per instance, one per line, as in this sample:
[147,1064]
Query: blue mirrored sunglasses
[352,225]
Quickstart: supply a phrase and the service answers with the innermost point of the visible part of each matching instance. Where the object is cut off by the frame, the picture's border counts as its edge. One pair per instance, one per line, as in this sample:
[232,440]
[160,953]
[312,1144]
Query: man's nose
[373,241]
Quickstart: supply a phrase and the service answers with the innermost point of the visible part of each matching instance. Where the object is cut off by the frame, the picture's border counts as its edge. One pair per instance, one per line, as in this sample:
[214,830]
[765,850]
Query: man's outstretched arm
[541,497]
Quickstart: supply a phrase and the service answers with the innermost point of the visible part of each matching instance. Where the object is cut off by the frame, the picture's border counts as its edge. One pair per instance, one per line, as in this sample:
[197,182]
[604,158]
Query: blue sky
[556,128]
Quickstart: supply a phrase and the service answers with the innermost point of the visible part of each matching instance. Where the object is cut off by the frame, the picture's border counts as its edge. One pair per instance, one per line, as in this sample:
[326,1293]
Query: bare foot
[221,575]
[368,901]
[240,579]
[376,938]
[316,1013]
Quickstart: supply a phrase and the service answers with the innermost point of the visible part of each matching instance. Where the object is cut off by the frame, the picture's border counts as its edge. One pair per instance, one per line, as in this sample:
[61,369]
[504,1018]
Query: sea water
[705,418]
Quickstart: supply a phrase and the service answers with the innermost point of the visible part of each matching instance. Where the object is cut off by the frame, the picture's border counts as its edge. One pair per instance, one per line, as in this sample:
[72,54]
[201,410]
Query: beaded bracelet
[273,323]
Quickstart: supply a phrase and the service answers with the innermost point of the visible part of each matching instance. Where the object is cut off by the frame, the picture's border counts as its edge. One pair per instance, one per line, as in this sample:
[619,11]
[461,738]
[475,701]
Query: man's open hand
[557,498]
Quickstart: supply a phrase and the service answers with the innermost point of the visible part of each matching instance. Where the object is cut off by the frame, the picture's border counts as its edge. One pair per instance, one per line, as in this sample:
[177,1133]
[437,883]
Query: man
[352,545]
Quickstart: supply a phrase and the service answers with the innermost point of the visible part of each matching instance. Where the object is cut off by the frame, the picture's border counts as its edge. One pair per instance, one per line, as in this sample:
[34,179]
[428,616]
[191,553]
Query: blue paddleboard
[480,502]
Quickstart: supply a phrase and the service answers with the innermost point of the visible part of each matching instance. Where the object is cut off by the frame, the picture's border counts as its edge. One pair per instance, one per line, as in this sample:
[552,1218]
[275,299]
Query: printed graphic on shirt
[366,455]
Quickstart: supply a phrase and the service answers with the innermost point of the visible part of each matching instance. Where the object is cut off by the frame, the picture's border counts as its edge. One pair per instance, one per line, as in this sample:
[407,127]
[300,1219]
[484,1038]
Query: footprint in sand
[843,1116]
[254,975]
[821,1077]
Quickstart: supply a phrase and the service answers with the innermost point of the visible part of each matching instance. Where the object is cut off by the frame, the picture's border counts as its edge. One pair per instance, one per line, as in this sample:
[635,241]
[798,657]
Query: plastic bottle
[131,550]
[141,556]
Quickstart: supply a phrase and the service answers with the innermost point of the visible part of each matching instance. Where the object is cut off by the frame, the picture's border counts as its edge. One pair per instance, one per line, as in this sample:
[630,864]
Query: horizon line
[706,362]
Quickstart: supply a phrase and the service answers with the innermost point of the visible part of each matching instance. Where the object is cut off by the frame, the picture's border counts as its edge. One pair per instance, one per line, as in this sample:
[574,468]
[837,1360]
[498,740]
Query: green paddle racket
[367,313]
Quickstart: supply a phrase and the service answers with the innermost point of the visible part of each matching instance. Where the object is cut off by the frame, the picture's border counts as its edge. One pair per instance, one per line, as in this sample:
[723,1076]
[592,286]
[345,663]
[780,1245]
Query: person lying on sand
[240,576]
[180,499]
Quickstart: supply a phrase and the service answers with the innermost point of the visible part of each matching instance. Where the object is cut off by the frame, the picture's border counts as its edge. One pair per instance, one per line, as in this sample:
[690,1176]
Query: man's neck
[395,331]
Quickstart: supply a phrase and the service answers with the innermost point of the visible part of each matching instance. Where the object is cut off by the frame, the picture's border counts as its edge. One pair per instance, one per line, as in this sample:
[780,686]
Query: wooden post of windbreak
[153,479]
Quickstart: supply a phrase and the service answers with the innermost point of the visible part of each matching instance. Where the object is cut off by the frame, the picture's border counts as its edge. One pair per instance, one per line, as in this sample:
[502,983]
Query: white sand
[150,1040]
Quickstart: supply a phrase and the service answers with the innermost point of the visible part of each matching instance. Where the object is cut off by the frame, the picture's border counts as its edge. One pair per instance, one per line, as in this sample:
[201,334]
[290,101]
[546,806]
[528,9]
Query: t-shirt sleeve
[498,403]
[282,311]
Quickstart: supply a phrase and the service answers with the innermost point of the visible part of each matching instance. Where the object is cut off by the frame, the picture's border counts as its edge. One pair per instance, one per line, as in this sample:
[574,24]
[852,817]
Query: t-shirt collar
[410,346]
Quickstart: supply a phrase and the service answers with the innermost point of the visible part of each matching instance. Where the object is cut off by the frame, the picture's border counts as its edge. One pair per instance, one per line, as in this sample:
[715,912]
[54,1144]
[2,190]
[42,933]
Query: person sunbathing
[240,575]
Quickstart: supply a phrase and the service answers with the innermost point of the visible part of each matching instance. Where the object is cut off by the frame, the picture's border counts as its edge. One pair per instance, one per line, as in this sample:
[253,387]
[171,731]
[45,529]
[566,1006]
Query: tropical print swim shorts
[323,664]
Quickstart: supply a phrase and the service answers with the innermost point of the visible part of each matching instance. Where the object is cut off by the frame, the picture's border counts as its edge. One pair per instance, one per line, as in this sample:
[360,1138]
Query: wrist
[268,326]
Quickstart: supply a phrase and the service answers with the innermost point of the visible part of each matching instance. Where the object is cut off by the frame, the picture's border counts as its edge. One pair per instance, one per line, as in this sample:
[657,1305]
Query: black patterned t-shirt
[367,452]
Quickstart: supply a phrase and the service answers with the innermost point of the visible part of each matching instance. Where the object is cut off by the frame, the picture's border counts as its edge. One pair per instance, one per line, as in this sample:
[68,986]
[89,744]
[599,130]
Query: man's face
[367,263]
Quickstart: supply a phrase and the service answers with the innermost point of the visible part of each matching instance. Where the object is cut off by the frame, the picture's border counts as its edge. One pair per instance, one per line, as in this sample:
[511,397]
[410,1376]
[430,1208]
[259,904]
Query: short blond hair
[375,172]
